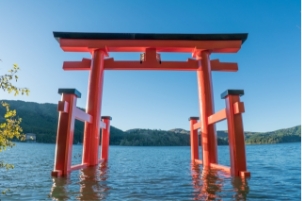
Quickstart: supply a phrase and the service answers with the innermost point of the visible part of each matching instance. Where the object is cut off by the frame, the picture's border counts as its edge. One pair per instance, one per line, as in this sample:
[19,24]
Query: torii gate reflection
[210,185]
[92,185]
[200,45]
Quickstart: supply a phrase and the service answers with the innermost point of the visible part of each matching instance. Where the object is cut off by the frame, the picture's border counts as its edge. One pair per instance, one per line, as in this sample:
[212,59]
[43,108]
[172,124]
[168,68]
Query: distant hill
[221,134]
[42,119]
[292,134]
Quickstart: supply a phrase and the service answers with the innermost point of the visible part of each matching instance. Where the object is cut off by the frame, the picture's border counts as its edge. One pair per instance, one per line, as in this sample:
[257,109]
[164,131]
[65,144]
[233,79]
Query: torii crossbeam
[150,45]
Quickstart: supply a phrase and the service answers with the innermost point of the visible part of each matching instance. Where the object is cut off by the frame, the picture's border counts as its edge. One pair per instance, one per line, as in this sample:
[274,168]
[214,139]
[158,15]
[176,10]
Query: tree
[10,129]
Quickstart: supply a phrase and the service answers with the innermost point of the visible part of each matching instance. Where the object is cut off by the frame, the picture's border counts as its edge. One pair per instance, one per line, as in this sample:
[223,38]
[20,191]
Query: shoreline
[164,145]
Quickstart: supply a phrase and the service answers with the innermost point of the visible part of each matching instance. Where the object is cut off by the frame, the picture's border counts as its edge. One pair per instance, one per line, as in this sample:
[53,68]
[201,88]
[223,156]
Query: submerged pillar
[206,105]
[234,108]
[65,132]
[94,102]
[105,138]
[194,139]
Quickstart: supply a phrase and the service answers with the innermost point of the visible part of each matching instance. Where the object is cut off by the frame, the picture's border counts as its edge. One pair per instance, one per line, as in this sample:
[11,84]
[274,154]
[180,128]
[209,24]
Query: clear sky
[269,60]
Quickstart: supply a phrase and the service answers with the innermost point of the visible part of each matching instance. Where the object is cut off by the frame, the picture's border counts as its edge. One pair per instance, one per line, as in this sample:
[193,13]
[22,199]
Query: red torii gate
[200,45]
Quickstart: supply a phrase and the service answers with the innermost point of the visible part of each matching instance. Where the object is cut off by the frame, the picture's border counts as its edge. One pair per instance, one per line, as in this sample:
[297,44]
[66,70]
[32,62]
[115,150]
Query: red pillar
[208,132]
[234,108]
[65,132]
[193,139]
[105,138]
[94,102]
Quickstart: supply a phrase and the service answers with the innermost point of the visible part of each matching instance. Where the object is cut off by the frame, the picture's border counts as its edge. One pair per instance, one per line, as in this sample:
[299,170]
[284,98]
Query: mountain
[42,119]
[292,134]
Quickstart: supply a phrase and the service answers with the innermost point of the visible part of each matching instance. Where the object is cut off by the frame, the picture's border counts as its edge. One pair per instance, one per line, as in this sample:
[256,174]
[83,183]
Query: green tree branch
[10,129]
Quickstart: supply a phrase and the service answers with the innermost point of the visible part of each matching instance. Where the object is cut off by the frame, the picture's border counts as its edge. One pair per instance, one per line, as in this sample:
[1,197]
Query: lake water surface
[152,173]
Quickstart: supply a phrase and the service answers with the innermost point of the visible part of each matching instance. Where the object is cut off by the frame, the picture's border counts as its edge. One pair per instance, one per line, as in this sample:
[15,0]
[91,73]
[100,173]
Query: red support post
[94,102]
[208,131]
[234,108]
[65,132]
[194,139]
[105,138]
[200,45]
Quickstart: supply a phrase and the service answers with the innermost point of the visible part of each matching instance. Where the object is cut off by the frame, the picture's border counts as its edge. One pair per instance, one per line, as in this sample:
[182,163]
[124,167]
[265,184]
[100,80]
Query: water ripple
[152,173]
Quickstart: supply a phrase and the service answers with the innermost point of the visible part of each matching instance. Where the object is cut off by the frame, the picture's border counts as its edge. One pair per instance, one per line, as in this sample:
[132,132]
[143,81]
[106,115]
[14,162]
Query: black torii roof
[149,36]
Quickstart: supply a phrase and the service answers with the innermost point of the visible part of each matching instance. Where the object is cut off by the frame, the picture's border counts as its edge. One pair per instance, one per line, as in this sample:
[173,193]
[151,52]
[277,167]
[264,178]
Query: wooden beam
[77,65]
[102,124]
[86,45]
[77,167]
[82,116]
[198,161]
[221,167]
[190,65]
[239,107]
[196,126]
[63,106]
[217,117]
[216,65]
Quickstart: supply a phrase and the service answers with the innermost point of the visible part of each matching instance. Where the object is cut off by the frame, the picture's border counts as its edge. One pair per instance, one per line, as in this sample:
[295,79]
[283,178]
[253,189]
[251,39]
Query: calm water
[152,173]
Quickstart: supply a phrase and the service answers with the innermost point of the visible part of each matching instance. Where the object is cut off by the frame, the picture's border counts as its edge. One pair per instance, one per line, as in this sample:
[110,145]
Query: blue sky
[269,60]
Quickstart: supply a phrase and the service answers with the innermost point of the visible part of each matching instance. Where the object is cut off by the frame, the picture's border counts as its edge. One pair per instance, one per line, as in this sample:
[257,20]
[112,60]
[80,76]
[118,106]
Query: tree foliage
[279,136]
[10,127]
[6,82]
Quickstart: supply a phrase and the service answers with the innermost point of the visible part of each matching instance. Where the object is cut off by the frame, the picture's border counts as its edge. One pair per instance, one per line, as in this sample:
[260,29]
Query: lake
[152,173]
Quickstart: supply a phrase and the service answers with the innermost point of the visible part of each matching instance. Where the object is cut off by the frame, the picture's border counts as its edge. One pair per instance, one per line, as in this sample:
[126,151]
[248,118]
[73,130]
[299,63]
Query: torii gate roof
[148,36]
[138,42]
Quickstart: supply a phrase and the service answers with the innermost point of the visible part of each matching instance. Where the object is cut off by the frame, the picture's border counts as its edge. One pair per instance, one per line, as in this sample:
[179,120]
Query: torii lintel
[150,45]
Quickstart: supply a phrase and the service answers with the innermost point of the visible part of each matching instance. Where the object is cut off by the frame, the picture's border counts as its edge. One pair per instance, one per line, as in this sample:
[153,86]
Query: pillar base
[56,173]
[245,174]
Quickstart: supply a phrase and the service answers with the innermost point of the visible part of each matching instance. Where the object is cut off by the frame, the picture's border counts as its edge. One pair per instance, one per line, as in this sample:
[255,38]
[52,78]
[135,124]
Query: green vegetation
[42,119]
[10,124]
[147,137]
[279,136]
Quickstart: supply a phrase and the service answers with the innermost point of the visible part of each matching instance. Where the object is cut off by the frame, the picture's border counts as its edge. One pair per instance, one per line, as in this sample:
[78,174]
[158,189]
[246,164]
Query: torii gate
[200,45]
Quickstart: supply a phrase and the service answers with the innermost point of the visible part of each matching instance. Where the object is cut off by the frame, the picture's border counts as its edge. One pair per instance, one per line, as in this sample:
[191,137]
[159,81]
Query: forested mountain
[292,134]
[42,119]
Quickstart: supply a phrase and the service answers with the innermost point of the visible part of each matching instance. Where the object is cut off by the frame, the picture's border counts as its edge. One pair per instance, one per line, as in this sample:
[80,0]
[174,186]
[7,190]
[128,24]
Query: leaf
[10,128]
